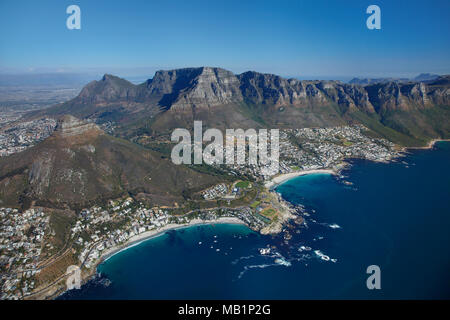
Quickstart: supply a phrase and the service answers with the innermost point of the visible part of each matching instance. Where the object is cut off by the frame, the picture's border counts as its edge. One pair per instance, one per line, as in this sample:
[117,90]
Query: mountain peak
[108,76]
[426,77]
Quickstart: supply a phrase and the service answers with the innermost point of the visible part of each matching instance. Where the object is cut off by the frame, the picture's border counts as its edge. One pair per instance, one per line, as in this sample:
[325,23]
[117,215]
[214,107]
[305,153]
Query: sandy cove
[57,289]
[137,239]
[275,181]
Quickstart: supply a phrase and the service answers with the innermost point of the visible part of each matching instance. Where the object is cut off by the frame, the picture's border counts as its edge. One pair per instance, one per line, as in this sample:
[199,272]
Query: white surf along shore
[275,181]
[144,236]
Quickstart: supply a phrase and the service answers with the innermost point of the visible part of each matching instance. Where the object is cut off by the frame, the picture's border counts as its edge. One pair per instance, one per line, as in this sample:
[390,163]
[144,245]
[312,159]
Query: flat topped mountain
[196,87]
[80,164]
[178,88]
[405,112]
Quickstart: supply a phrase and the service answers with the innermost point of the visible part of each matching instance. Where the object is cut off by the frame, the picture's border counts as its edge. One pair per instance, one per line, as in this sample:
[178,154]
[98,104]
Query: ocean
[395,216]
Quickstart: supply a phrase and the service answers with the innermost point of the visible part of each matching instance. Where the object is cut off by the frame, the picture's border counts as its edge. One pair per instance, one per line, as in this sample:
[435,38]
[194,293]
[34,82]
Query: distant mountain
[426,77]
[420,78]
[440,81]
[365,81]
[406,112]
[80,164]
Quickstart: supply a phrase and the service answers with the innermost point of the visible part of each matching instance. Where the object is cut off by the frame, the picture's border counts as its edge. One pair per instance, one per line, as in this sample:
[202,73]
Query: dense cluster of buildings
[318,148]
[325,147]
[21,241]
[24,135]
[215,192]
[98,229]
[95,230]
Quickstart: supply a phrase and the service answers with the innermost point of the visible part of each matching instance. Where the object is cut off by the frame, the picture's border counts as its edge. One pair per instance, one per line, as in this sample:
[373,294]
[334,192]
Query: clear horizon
[321,40]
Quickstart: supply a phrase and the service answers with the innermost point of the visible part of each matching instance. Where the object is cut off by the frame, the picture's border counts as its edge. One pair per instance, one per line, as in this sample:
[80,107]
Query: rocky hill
[80,164]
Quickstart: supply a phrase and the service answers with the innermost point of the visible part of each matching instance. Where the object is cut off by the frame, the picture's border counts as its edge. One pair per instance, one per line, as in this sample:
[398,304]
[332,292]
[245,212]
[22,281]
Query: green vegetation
[60,223]
[255,204]
[253,112]
[242,184]
[386,132]
[269,213]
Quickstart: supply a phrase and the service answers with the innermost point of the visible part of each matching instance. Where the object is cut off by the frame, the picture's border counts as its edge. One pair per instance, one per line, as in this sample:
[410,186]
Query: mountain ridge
[174,98]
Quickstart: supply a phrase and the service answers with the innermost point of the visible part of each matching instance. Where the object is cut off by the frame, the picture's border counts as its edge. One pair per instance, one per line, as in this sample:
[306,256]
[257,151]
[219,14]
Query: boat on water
[321,255]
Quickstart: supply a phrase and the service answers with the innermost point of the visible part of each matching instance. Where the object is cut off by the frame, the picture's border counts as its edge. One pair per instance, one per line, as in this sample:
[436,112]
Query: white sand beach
[284,177]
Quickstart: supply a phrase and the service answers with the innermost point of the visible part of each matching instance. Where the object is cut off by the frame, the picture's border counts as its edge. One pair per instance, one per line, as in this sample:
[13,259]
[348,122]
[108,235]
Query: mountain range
[420,78]
[408,113]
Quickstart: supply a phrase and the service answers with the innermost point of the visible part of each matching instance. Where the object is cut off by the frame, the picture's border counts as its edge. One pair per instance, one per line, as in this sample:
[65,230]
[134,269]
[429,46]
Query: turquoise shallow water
[396,216]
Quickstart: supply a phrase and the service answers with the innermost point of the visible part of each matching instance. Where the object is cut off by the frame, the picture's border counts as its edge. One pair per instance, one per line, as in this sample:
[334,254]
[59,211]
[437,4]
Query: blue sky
[291,38]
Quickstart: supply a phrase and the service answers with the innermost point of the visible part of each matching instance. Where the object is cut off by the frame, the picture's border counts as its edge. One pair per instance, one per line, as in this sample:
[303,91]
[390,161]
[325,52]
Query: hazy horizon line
[146,73]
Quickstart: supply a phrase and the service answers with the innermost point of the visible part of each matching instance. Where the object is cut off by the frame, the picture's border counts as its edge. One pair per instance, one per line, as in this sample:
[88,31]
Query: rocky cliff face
[394,96]
[271,89]
[208,87]
[349,97]
[192,88]
[69,126]
[181,88]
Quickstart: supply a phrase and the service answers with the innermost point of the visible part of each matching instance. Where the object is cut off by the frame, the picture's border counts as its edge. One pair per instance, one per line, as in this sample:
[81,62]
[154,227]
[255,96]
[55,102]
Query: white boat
[334,226]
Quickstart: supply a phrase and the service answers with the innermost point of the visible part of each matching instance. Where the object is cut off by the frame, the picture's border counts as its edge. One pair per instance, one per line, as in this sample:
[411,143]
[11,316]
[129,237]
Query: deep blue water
[396,216]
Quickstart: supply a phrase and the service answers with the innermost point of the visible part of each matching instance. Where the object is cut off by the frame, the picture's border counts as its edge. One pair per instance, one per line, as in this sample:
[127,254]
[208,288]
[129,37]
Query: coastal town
[96,233]
[318,148]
